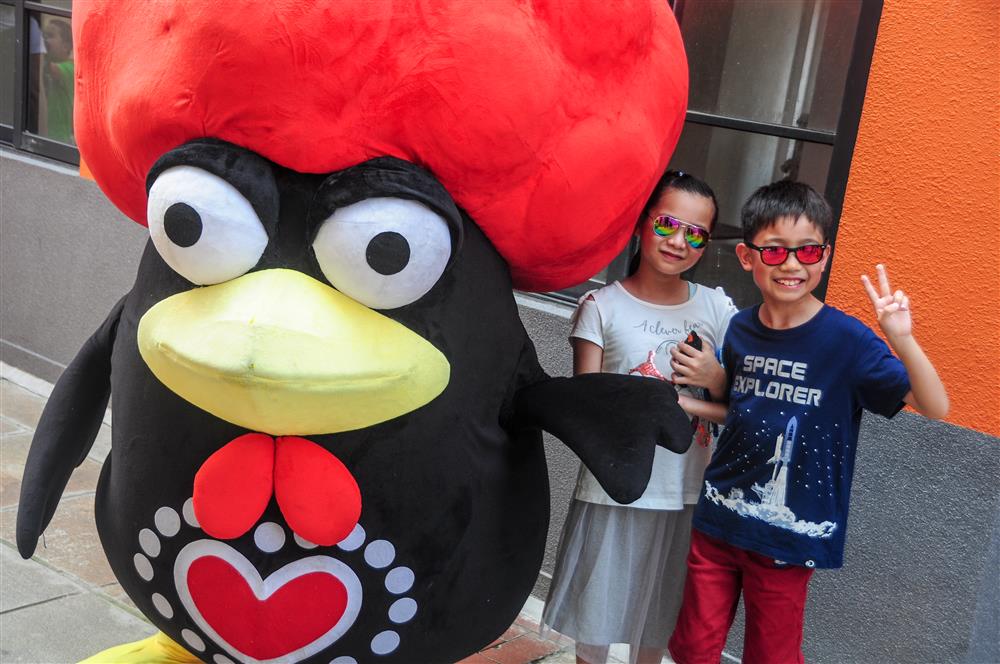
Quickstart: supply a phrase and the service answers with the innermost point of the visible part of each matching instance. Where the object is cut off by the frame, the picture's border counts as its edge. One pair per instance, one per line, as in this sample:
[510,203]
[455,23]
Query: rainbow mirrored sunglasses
[664,225]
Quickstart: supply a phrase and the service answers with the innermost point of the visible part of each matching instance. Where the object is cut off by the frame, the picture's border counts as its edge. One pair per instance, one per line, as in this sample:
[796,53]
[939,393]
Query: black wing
[612,422]
[66,431]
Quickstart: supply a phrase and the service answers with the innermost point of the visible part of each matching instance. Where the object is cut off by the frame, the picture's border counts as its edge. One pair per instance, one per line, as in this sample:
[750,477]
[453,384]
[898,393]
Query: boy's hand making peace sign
[892,309]
[927,393]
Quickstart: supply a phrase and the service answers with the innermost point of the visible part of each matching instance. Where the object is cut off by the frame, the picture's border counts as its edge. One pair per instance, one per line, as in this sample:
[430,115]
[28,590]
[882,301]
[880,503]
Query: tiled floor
[64,604]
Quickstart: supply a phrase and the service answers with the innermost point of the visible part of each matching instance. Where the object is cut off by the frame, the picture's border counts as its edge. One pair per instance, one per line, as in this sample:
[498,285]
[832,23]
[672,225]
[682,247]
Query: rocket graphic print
[771,507]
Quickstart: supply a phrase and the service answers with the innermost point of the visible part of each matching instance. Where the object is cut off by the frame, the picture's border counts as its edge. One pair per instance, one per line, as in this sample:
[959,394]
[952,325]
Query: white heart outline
[264,588]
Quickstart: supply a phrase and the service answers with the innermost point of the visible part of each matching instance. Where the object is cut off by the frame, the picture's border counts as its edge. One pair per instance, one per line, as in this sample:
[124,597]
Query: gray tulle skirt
[619,575]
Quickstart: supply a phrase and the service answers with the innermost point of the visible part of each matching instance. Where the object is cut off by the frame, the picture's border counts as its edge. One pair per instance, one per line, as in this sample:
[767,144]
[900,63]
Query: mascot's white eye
[383,252]
[202,226]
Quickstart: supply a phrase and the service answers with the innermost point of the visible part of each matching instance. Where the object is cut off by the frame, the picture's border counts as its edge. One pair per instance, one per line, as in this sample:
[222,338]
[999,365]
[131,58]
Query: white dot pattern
[192,639]
[385,642]
[402,610]
[143,566]
[399,580]
[380,553]
[163,606]
[269,537]
[344,659]
[303,542]
[149,542]
[189,517]
[167,521]
[354,540]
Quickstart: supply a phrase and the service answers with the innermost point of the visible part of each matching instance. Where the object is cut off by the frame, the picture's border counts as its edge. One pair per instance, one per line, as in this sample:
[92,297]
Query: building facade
[888,108]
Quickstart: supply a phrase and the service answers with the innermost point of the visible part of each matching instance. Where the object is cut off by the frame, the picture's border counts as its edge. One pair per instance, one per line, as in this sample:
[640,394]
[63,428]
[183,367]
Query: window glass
[6,65]
[735,163]
[782,62]
[50,78]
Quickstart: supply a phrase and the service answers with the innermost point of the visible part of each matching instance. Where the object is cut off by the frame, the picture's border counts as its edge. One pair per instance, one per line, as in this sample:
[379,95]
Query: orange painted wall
[924,192]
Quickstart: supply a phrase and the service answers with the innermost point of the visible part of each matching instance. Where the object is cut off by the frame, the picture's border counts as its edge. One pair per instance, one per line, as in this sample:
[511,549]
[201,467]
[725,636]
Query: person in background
[59,80]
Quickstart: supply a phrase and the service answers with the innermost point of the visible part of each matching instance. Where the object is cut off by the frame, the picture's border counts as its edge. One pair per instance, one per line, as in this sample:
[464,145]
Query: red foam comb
[548,121]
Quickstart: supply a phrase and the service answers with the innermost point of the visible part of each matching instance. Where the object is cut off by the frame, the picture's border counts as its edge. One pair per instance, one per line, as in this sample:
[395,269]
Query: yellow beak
[278,352]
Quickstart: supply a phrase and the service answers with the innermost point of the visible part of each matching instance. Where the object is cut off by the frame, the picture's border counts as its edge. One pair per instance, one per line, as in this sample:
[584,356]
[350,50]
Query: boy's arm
[927,394]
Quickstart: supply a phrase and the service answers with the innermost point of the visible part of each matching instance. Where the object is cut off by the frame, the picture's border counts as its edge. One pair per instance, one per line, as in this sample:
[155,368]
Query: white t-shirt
[632,332]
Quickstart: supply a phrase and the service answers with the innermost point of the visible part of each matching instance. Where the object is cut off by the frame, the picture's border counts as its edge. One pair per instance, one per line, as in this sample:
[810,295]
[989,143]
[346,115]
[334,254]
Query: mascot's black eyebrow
[386,177]
[249,173]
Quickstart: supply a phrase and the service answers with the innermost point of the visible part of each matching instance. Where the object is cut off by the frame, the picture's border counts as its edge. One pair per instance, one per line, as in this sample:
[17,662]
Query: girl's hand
[891,309]
[697,367]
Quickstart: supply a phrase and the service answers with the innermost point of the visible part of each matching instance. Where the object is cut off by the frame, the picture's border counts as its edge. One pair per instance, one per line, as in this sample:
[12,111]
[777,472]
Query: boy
[799,372]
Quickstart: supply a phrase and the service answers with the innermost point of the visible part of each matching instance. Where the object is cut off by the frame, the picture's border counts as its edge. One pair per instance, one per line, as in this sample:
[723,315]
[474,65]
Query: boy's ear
[745,256]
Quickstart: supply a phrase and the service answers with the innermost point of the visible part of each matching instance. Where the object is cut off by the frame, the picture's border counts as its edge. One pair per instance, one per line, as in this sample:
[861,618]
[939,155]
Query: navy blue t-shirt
[780,479]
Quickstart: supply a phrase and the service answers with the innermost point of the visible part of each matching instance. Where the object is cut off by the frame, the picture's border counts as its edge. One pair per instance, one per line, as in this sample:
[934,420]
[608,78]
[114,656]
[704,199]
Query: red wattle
[317,494]
[233,486]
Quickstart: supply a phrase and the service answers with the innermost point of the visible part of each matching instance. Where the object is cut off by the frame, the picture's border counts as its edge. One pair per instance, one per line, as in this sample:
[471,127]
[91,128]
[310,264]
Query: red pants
[774,597]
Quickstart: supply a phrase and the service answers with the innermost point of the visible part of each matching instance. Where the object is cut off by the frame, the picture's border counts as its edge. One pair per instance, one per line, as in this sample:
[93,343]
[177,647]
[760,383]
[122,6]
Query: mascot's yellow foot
[157,649]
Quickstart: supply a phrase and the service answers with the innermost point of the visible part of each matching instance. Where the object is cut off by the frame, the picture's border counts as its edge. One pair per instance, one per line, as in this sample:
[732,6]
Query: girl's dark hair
[681,181]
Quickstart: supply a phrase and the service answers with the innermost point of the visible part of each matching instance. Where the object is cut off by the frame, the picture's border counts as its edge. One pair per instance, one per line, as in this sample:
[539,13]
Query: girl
[620,570]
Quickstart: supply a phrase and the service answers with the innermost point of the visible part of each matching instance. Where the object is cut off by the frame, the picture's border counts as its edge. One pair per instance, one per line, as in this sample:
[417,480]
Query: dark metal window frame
[842,140]
[15,136]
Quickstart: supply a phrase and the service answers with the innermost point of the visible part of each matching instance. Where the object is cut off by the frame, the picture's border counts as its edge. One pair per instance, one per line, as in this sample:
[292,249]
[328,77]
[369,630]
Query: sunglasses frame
[681,224]
[788,252]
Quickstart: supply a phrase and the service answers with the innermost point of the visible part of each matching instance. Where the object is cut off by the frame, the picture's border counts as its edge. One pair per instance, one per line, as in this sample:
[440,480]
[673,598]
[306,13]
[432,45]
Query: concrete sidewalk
[64,604]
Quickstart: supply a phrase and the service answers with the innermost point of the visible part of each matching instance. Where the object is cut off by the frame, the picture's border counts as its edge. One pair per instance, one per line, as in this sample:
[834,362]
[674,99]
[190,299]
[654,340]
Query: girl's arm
[587,357]
[712,411]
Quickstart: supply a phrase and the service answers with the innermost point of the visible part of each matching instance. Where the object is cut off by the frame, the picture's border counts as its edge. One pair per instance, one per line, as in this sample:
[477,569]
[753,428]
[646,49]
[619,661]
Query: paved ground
[64,604]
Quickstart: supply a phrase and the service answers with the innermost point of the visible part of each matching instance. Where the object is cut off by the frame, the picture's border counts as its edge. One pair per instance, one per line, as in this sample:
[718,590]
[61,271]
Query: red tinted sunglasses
[807,254]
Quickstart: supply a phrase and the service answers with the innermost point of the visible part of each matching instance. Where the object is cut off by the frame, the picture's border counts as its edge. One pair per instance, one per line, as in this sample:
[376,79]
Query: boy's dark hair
[785,198]
[680,181]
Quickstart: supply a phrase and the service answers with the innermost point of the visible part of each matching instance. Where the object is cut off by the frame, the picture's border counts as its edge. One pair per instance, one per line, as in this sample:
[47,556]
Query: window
[776,90]
[36,79]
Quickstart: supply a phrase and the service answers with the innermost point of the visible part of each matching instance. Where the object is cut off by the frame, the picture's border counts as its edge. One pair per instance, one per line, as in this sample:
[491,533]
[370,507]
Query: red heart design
[297,611]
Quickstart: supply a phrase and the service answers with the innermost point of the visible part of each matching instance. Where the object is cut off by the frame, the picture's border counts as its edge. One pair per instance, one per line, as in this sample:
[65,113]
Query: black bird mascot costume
[327,414]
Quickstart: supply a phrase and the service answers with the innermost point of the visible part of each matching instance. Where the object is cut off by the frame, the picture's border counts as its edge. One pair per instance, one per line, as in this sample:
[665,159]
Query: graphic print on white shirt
[636,337]
[772,508]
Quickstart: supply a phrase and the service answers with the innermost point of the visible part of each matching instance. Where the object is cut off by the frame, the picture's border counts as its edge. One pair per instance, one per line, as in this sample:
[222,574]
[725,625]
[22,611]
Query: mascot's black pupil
[388,253]
[182,223]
